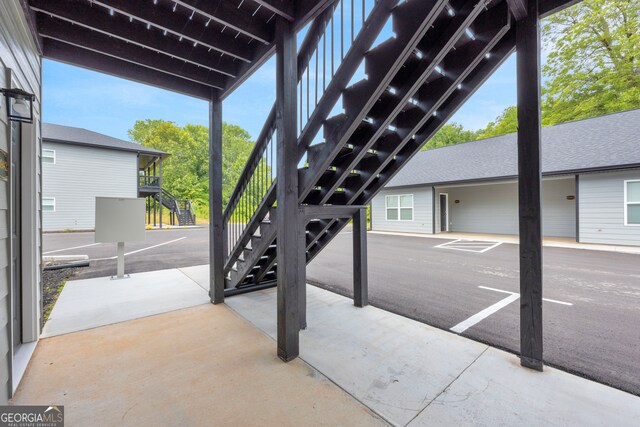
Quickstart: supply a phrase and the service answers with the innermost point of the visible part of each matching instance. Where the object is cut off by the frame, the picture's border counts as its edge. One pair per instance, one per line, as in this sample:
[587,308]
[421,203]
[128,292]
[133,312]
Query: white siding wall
[20,67]
[422,208]
[601,206]
[81,174]
[488,208]
[493,208]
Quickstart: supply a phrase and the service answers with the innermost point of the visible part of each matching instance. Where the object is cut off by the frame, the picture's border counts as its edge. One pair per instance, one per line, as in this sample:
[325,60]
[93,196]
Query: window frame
[627,203]
[53,204]
[398,208]
[53,157]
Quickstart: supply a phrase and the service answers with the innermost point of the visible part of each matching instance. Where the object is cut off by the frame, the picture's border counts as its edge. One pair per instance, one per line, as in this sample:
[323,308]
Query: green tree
[449,134]
[506,122]
[186,172]
[594,63]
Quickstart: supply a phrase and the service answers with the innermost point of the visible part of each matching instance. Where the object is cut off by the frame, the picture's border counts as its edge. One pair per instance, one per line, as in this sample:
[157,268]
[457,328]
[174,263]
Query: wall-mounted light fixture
[19,105]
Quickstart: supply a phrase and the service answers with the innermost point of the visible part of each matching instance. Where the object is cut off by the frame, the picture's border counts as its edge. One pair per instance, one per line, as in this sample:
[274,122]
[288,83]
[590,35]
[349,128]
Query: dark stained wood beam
[282,8]
[216,226]
[289,220]
[118,26]
[225,13]
[518,8]
[264,53]
[360,273]
[79,57]
[529,186]
[81,37]
[179,25]
[306,10]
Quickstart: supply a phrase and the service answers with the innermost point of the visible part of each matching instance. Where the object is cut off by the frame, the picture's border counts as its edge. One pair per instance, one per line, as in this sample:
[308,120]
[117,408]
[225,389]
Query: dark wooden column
[216,238]
[287,192]
[302,268]
[360,277]
[529,185]
[160,195]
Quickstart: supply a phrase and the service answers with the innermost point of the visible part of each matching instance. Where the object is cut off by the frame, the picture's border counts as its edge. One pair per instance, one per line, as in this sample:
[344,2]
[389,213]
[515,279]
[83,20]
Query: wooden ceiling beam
[226,14]
[119,27]
[144,12]
[62,52]
[282,8]
[77,36]
[167,20]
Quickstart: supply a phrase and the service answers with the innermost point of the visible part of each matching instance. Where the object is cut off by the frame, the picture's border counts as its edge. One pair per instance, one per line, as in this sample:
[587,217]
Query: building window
[632,202]
[399,207]
[48,156]
[48,204]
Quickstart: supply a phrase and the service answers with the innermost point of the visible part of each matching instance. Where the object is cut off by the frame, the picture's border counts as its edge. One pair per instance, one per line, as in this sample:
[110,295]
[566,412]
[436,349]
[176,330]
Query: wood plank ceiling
[200,48]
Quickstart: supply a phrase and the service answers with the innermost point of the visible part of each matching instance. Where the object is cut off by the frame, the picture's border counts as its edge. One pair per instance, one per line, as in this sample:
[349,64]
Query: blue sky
[76,97]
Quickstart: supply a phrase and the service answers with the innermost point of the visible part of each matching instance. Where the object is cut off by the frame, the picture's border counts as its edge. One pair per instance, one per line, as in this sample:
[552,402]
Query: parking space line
[68,249]
[446,243]
[140,250]
[491,247]
[466,324]
[476,246]
[478,317]
[555,301]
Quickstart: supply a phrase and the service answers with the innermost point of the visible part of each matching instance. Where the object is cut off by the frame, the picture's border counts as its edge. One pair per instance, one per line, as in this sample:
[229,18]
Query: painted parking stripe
[476,246]
[478,317]
[140,250]
[69,249]
[555,301]
[466,324]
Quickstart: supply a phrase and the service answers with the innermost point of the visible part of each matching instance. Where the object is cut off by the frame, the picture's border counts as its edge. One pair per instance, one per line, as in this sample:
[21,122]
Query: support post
[120,262]
[155,202]
[216,238]
[302,268]
[529,186]
[160,183]
[287,192]
[360,277]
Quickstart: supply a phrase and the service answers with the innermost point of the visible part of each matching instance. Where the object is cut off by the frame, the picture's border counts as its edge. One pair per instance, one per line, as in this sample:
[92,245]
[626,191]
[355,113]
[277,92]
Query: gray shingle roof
[607,142]
[72,135]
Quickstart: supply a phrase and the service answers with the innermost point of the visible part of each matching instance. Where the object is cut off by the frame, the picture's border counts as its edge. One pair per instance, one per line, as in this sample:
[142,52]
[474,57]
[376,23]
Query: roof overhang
[496,179]
[200,48]
[106,147]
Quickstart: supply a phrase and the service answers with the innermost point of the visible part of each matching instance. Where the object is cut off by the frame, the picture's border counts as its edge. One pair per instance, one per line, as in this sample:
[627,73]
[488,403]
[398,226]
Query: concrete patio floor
[208,364]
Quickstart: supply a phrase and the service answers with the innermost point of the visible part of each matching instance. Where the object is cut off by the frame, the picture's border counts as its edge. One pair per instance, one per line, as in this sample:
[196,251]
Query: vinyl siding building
[20,220]
[80,165]
[591,185]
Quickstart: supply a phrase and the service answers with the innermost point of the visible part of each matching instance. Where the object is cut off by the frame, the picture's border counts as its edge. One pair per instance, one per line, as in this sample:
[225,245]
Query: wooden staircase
[441,52]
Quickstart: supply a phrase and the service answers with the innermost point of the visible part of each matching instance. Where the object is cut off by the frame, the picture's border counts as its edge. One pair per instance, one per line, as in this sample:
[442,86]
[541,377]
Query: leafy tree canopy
[450,134]
[186,171]
[594,64]
[593,68]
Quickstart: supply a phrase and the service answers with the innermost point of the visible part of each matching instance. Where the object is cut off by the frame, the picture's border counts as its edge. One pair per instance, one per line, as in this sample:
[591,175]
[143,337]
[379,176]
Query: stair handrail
[306,48]
[243,206]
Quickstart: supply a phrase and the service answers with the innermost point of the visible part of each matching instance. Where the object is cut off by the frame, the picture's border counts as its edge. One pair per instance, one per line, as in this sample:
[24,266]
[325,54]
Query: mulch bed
[53,282]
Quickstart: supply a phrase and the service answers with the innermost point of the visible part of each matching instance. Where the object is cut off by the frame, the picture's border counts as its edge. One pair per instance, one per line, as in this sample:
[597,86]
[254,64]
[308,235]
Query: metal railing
[320,55]
[149,181]
[341,29]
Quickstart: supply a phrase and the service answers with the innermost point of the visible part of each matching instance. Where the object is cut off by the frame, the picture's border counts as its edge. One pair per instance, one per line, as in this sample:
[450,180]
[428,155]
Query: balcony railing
[149,182]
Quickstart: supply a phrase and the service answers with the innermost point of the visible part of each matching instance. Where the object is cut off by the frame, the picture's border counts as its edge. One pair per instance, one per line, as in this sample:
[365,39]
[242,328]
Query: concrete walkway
[204,365]
[552,242]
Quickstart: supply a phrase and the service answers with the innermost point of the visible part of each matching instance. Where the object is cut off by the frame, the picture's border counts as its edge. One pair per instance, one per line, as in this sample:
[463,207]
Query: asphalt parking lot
[162,249]
[591,311]
[591,307]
